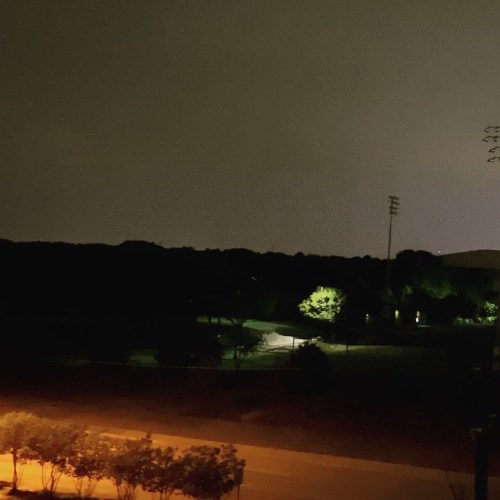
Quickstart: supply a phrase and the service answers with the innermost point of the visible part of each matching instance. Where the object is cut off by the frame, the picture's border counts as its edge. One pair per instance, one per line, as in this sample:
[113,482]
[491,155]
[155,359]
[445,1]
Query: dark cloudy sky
[273,125]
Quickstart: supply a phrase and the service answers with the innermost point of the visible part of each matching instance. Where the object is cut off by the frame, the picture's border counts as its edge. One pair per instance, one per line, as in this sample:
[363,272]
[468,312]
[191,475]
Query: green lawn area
[256,361]
[358,357]
[284,328]
[340,356]
[430,351]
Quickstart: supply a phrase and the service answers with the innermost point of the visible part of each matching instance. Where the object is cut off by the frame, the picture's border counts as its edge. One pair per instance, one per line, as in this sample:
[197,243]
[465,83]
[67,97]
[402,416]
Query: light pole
[387,296]
[483,374]
[393,210]
[492,132]
[493,135]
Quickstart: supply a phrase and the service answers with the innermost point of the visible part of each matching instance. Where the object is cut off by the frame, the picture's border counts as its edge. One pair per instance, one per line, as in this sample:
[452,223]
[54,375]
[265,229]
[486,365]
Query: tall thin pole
[393,210]
[493,135]
[480,434]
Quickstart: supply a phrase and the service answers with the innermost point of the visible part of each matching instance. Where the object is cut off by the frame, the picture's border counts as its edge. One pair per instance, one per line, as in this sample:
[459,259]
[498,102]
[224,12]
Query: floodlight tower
[492,135]
[393,210]
[480,432]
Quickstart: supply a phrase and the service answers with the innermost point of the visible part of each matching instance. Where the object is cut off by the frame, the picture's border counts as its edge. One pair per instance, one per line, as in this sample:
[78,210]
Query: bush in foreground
[201,472]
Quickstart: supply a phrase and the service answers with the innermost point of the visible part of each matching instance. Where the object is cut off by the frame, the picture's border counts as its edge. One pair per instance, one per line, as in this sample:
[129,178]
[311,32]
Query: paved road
[273,474]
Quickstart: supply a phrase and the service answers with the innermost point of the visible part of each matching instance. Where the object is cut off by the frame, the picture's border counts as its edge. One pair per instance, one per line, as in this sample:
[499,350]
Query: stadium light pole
[480,432]
[393,210]
[492,135]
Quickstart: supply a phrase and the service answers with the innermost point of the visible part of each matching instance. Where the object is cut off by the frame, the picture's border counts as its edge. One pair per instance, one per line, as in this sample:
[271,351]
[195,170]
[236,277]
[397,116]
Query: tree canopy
[324,304]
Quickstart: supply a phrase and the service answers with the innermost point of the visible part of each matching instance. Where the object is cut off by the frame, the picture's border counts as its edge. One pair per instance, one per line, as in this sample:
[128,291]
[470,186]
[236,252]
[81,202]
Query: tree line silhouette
[103,300]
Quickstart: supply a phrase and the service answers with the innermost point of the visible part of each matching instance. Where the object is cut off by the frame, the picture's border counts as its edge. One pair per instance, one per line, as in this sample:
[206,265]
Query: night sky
[272,125]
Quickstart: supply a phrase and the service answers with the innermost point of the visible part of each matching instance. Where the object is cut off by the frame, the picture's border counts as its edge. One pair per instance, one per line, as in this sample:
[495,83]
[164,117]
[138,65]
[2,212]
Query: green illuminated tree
[487,313]
[324,304]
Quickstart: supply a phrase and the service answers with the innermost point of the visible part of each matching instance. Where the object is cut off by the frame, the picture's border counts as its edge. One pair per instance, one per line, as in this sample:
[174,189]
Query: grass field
[429,351]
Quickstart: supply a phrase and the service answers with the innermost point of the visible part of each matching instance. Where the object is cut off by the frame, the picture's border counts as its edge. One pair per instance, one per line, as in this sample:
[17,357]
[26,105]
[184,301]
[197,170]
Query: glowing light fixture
[494,138]
[495,128]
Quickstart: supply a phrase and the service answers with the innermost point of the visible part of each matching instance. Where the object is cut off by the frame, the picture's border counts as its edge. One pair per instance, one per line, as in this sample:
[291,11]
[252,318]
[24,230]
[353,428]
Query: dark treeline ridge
[105,298]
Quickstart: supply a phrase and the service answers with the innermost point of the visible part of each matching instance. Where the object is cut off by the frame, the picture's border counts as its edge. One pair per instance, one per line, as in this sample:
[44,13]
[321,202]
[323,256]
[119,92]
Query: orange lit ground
[426,433]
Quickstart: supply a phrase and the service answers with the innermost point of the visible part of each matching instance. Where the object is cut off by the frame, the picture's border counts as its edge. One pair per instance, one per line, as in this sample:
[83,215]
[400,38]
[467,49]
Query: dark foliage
[101,301]
[312,367]
[309,357]
[185,344]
